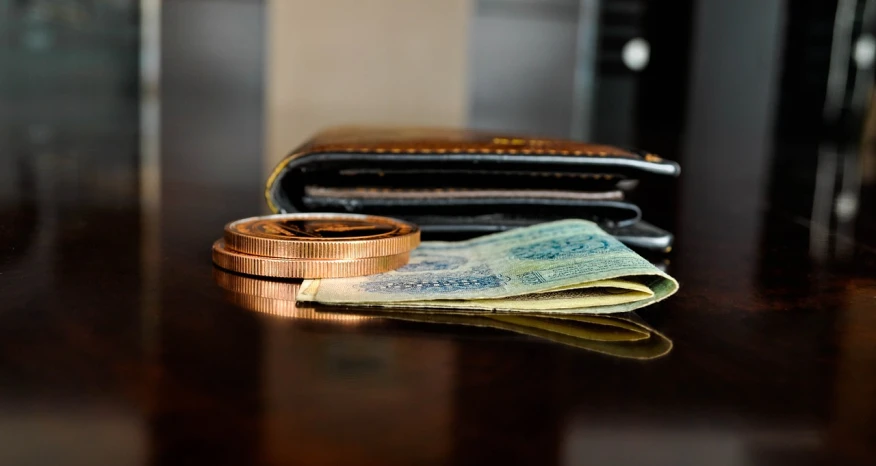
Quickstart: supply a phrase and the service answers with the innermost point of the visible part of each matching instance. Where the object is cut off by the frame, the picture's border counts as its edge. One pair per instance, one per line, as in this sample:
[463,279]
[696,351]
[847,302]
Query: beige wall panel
[334,62]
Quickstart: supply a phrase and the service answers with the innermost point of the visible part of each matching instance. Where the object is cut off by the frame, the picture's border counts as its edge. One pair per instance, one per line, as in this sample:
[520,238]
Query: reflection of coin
[273,297]
[321,236]
[303,268]
[289,309]
[286,290]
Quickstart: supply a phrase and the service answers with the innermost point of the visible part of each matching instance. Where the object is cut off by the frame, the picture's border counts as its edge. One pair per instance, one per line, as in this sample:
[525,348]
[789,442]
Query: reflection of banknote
[621,335]
[570,267]
[624,336]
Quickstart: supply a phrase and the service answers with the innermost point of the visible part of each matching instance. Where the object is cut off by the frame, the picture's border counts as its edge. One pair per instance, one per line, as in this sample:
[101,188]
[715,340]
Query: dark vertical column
[733,90]
[69,321]
[208,380]
[661,102]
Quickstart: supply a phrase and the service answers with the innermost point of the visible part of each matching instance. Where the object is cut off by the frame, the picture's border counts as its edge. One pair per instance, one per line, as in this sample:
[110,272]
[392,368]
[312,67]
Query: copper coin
[303,268]
[322,236]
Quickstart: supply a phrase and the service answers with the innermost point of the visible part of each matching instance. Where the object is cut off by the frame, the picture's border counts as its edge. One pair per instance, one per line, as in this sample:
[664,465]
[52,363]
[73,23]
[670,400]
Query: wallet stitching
[459,150]
[648,157]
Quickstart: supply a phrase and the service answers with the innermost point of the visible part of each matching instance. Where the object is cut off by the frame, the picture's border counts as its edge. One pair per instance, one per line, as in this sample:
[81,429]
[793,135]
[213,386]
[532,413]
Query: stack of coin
[315,245]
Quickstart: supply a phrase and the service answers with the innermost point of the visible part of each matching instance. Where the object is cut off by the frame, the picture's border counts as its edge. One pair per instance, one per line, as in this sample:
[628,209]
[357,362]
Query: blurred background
[741,93]
[146,115]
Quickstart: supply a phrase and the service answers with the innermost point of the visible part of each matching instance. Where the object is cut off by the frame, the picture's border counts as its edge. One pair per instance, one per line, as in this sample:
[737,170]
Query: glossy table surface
[118,347]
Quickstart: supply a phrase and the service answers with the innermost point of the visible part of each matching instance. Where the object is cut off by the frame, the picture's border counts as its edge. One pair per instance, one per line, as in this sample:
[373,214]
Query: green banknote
[569,266]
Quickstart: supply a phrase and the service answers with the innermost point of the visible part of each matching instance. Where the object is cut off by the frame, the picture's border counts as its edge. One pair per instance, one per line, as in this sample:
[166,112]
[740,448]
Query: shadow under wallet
[458,183]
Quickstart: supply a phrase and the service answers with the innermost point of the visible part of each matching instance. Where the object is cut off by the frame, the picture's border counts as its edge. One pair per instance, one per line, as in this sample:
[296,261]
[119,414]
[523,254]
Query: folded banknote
[569,267]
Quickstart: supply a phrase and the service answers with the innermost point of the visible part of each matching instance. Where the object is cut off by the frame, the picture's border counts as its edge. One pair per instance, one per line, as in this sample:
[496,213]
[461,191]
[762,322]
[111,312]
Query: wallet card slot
[425,170]
[458,193]
[435,178]
[612,213]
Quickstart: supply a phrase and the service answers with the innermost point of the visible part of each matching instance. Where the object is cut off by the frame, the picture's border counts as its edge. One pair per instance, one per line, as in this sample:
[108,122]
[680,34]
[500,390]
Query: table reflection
[620,335]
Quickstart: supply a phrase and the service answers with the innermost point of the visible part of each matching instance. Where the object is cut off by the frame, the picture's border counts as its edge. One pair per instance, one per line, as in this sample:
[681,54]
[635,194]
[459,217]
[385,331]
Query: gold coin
[321,236]
[303,268]
[274,297]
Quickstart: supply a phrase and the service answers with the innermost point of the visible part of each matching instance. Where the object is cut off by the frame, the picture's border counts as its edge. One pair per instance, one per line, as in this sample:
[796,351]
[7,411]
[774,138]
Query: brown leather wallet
[462,181]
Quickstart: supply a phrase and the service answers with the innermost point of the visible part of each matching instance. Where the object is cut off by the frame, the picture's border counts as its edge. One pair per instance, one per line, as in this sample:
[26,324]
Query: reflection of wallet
[467,182]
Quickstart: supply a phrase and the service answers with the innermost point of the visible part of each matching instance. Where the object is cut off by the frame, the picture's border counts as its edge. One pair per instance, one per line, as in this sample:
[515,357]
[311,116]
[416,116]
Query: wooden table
[117,347]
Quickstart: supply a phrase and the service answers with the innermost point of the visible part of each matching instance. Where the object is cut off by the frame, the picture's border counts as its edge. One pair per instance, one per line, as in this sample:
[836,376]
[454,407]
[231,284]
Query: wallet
[463,183]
